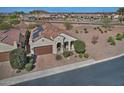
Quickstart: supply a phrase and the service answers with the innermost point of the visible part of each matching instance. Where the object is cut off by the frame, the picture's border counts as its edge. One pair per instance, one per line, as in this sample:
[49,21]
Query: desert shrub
[111,40]
[67,54]
[85,30]
[95,28]
[18,58]
[105,31]
[123,35]
[58,57]
[68,25]
[29,66]
[100,29]
[95,39]
[79,46]
[101,32]
[86,55]
[76,31]
[28,58]
[119,36]
[80,55]
[31,61]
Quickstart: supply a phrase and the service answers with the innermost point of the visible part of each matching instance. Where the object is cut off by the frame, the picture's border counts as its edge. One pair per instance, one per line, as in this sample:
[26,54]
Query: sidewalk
[52,71]
[44,73]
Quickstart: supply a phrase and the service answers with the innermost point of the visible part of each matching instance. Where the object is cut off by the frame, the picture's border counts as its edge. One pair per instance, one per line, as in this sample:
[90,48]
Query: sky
[60,9]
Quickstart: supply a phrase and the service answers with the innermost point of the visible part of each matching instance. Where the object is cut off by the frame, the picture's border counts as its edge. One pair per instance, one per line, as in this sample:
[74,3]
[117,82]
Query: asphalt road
[106,73]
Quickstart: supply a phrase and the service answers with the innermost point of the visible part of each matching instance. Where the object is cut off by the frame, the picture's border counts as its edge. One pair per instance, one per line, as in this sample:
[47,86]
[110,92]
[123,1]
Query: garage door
[4,56]
[43,50]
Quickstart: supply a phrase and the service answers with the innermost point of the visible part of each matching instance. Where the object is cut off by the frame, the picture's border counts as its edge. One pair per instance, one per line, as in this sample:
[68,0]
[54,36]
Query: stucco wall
[45,42]
[58,39]
[41,42]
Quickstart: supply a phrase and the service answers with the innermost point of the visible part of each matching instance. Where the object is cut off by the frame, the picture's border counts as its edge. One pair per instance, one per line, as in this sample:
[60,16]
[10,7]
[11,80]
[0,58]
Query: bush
[67,54]
[95,28]
[111,40]
[105,31]
[31,61]
[81,55]
[58,57]
[79,46]
[76,31]
[119,37]
[68,25]
[85,30]
[18,58]
[86,55]
[94,39]
[29,66]
[123,35]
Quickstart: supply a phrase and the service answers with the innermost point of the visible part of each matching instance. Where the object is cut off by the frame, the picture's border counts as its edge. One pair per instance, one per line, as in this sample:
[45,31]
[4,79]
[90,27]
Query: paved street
[106,73]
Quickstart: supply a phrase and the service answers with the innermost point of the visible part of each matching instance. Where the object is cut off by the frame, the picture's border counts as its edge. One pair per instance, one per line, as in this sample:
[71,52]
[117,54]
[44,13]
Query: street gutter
[52,71]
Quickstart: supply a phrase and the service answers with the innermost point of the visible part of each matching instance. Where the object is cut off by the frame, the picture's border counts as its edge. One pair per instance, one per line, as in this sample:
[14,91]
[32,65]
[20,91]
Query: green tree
[18,58]
[79,46]
[27,36]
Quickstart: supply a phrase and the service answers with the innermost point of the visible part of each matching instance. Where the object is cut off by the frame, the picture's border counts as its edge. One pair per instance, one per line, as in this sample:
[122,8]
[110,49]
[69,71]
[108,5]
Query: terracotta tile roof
[50,31]
[10,36]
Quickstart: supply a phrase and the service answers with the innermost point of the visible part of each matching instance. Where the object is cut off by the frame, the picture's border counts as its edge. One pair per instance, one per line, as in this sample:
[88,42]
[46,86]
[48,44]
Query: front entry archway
[59,47]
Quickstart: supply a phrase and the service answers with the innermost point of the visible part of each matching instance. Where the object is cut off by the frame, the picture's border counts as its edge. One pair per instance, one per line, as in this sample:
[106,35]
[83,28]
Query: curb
[52,71]
[45,73]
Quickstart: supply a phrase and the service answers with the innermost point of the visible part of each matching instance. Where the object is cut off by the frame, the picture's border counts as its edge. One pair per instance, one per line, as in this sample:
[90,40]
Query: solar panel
[37,31]
[35,35]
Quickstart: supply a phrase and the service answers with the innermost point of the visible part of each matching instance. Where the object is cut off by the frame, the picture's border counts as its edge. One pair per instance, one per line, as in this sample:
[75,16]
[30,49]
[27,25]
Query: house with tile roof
[48,39]
[9,40]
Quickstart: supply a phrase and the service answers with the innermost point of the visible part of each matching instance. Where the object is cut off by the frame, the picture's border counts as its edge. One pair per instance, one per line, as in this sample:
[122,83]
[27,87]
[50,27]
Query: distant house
[8,41]
[48,39]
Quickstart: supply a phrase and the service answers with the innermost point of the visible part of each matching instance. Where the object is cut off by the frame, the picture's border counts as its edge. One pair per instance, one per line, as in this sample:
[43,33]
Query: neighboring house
[9,40]
[4,51]
[48,39]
